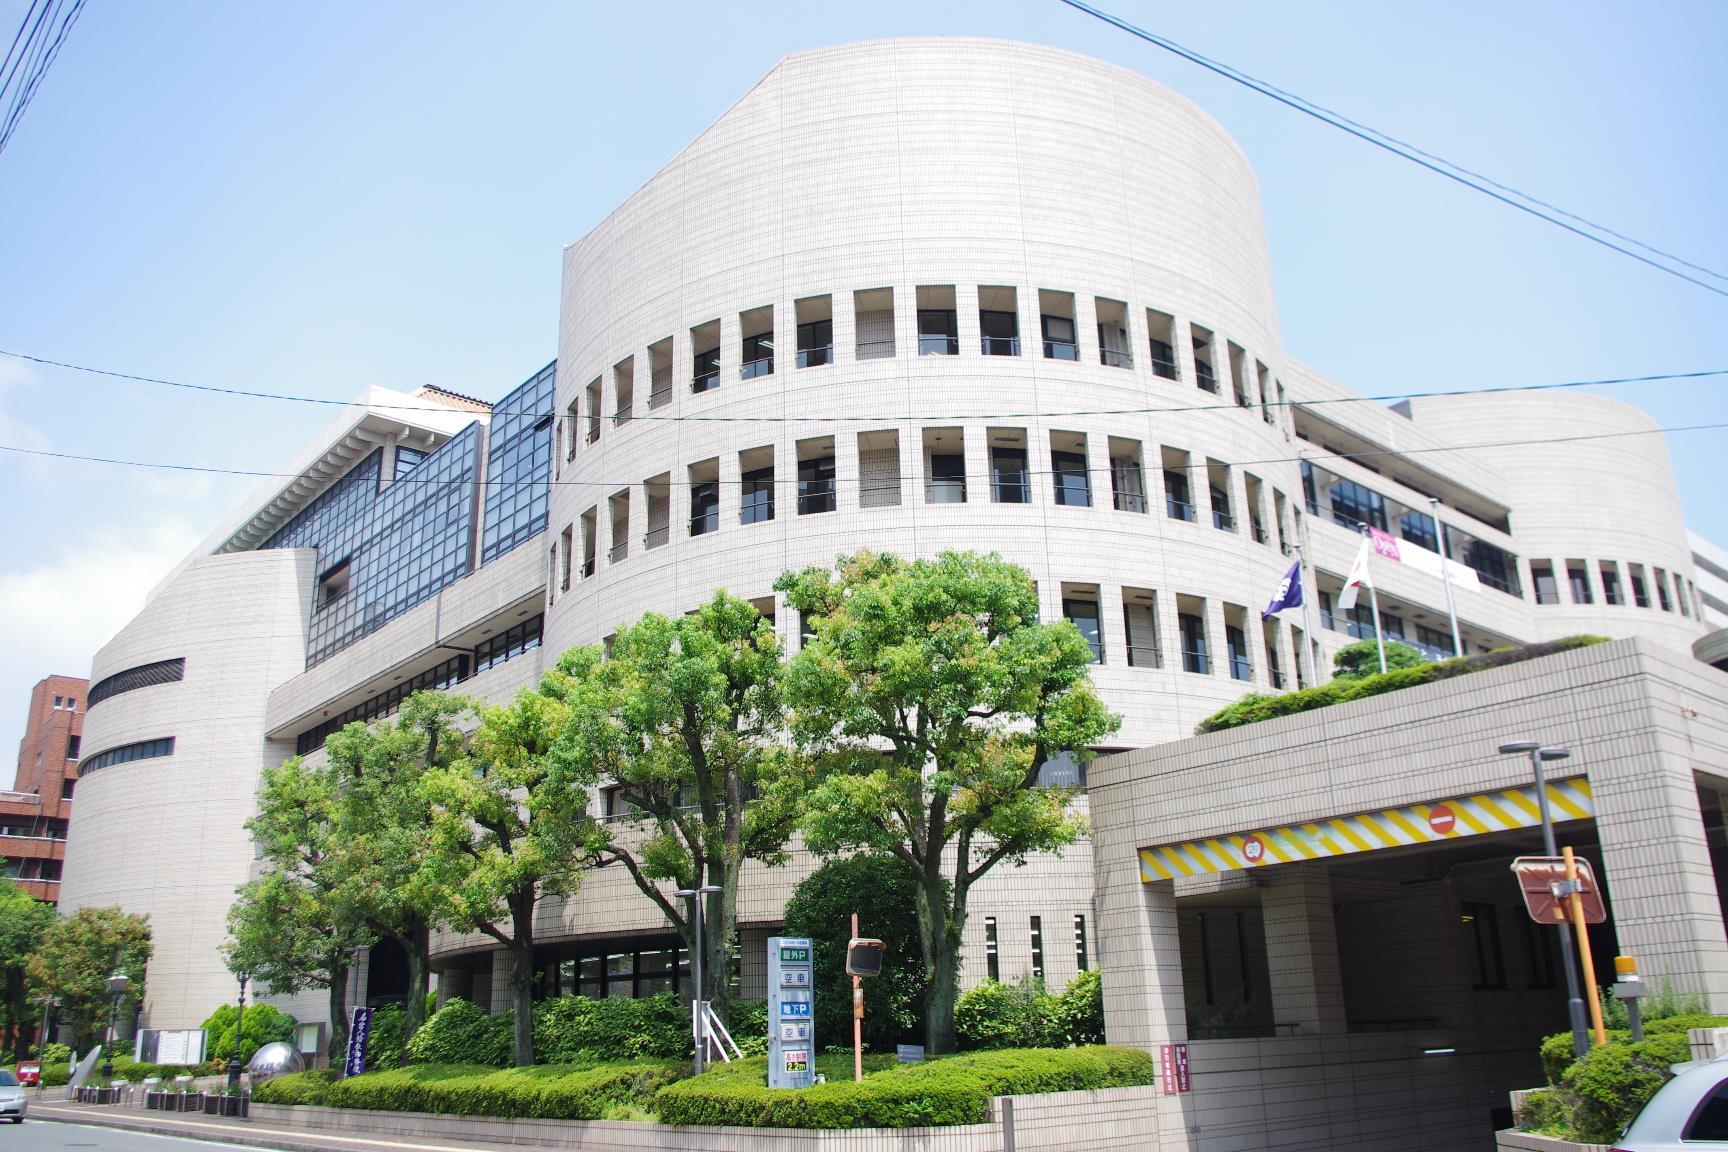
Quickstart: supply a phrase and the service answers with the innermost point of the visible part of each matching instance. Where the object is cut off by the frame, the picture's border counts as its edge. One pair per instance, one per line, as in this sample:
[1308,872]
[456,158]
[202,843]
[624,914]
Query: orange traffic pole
[857,1017]
[1575,903]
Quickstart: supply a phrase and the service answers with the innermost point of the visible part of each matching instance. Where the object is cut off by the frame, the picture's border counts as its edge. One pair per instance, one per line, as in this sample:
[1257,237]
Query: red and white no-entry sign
[1442,820]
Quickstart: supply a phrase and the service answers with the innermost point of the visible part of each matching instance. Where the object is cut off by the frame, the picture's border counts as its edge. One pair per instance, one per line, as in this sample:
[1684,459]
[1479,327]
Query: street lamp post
[117,985]
[49,1003]
[698,1003]
[239,1034]
[1574,998]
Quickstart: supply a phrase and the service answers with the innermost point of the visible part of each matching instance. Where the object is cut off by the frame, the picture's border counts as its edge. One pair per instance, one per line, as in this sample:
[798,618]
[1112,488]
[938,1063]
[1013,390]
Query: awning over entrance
[1447,819]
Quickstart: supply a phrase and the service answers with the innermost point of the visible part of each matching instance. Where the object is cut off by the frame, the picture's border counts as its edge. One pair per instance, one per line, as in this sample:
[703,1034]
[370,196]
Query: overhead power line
[1505,193]
[35,45]
[1366,454]
[718,418]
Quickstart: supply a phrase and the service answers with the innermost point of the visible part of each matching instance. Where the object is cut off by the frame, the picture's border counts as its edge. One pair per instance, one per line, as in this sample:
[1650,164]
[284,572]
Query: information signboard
[791,1012]
[1173,1068]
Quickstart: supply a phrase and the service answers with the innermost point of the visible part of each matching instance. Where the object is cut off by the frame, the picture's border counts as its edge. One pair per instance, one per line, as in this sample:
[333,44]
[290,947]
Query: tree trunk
[338,1049]
[940,926]
[722,930]
[418,944]
[522,974]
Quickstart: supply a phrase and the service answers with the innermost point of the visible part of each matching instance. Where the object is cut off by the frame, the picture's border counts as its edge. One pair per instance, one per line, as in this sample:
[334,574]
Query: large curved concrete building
[911,295]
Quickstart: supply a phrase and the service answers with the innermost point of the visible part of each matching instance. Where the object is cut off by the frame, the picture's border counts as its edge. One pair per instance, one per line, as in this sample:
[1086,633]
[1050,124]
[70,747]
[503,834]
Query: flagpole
[1374,597]
[1446,575]
[1307,628]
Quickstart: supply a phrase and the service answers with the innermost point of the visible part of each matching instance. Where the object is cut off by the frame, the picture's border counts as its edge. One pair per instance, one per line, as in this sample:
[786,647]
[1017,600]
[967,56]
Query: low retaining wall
[1122,1119]
[1512,1140]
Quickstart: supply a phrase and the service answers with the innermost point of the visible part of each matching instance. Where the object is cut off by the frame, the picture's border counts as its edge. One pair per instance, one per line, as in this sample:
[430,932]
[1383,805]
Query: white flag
[1360,577]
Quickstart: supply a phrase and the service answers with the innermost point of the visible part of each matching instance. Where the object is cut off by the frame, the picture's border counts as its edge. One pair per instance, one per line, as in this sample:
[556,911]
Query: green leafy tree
[76,956]
[933,696]
[384,820]
[24,921]
[685,718]
[1354,661]
[263,1024]
[883,890]
[506,832]
[293,927]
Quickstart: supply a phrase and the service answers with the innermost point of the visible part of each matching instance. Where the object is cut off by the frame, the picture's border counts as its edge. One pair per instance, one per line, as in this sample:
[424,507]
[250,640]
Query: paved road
[43,1136]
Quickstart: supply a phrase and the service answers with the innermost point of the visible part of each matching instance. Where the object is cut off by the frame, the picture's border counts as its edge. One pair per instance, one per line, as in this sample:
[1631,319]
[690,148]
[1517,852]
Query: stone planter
[1512,1140]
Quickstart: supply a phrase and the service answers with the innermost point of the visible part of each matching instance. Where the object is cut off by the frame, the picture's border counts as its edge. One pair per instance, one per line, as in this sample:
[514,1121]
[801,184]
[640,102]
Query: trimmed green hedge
[1255,707]
[543,1092]
[308,1087]
[951,1090]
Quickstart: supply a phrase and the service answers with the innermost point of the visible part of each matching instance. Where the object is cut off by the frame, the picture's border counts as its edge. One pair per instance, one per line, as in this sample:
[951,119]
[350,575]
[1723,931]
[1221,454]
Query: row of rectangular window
[1357,507]
[1081,606]
[491,651]
[1035,938]
[937,319]
[946,483]
[1579,587]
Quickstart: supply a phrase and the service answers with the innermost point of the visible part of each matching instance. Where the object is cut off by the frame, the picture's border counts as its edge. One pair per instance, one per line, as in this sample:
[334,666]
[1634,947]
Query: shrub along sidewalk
[951,1090]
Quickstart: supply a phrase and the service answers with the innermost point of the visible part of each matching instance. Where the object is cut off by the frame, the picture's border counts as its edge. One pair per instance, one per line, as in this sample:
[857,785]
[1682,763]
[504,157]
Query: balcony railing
[1203,372]
[818,497]
[875,349]
[9,797]
[1259,531]
[938,345]
[588,567]
[626,413]
[1130,502]
[1276,675]
[947,491]
[1116,357]
[1223,521]
[703,523]
[704,381]
[1164,368]
[1000,345]
[1061,350]
[1011,488]
[618,551]
[1195,660]
[1178,509]
[815,357]
[655,537]
[1240,668]
[1144,656]
[660,387]
[761,366]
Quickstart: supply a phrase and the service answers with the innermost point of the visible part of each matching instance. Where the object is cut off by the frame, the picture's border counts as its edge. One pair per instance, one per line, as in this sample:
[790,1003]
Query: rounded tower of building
[940,294]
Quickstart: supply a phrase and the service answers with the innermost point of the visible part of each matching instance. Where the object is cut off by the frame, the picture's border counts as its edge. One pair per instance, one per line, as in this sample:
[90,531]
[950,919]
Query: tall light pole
[1574,999]
[698,1002]
[117,985]
[239,1035]
[49,1003]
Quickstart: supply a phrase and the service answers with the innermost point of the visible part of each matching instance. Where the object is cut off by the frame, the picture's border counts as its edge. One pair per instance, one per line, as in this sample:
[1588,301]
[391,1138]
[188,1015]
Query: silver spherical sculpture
[273,1060]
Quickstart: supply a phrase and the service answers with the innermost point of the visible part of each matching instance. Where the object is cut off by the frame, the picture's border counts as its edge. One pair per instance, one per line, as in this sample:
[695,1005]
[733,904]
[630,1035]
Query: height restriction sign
[1542,880]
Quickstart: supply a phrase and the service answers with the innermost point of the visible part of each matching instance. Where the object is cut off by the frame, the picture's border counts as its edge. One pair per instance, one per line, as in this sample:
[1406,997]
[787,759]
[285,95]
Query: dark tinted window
[1710,1122]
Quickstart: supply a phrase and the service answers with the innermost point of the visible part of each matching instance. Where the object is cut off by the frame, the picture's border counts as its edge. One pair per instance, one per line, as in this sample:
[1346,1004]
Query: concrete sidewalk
[225,1131]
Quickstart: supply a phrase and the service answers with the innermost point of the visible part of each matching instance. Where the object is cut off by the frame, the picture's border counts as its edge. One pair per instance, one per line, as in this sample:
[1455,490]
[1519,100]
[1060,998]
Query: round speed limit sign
[1253,850]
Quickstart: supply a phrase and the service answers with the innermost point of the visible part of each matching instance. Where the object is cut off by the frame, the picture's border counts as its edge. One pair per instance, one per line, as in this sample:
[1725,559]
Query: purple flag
[1289,594]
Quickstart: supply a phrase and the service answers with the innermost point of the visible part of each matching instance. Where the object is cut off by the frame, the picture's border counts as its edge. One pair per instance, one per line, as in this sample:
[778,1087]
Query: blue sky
[317,197]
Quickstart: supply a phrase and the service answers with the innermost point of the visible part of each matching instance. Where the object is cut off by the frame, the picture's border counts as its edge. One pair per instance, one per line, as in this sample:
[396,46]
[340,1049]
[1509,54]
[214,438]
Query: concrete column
[455,983]
[1140,956]
[1663,888]
[1302,949]
[501,970]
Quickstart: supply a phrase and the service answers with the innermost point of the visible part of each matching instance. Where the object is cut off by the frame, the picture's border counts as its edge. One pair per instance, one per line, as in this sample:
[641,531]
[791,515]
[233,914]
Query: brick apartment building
[35,813]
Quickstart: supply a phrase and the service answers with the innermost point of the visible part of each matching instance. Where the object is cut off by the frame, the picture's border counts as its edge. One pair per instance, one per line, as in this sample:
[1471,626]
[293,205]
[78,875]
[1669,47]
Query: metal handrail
[815,357]
[1164,368]
[1130,501]
[937,344]
[660,395]
[705,381]
[1116,357]
[1178,509]
[618,551]
[1241,668]
[655,537]
[1223,521]
[875,349]
[1061,350]
[1008,345]
[761,366]
[1195,660]
[1144,656]
[705,523]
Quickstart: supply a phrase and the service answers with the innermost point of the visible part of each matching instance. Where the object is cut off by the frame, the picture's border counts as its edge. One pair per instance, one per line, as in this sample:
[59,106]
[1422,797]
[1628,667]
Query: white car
[12,1102]
[1689,1112]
